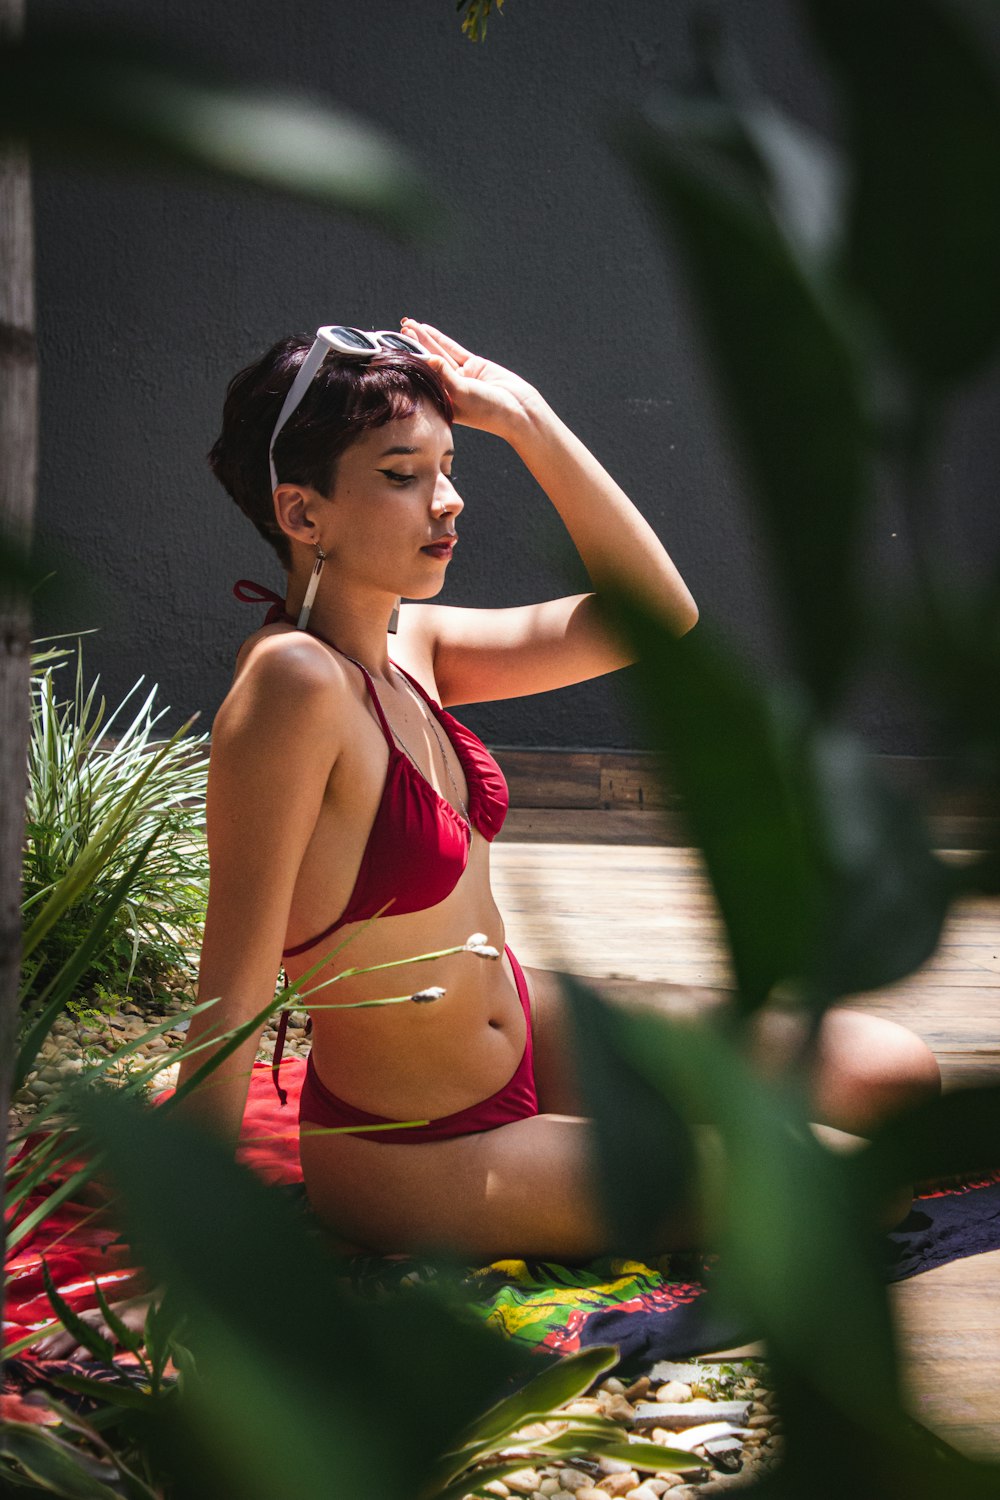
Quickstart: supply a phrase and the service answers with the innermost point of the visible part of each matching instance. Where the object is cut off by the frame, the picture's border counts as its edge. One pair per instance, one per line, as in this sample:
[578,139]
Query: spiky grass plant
[102,789]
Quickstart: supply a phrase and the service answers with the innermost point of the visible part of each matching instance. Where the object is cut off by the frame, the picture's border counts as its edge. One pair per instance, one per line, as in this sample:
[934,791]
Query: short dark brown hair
[347,398]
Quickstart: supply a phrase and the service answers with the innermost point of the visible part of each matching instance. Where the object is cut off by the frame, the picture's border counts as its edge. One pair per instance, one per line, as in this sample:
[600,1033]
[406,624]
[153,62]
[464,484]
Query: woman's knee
[869,1069]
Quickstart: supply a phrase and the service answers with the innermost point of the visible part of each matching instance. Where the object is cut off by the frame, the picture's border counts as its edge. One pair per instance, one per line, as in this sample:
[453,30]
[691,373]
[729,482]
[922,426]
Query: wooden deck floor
[646,912]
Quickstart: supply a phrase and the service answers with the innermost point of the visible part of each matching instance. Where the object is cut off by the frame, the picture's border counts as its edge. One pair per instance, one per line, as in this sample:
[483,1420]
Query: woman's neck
[357,626]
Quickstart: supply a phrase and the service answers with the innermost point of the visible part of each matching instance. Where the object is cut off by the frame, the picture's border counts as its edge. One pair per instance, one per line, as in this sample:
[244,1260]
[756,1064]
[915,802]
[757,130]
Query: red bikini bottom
[517,1100]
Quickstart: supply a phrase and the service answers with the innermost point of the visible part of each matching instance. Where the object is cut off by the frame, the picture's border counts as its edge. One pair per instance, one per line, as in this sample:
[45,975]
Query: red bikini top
[418,846]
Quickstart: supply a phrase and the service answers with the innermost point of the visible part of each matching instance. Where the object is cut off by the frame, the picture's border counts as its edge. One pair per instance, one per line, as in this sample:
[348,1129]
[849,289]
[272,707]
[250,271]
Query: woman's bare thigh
[526,1189]
[863,1070]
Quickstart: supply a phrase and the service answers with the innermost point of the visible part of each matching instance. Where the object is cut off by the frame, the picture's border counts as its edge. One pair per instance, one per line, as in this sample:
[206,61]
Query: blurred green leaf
[54,1465]
[105,96]
[630,1111]
[299,1379]
[952,648]
[886,893]
[94,1342]
[474,1483]
[164,1320]
[958,1134]
[794,1256]
[127,1338]
[560,1381]
[923,120]
[823,873]
[108,1393]
[800,1257]
[980,877]
[745,810]
[643,1455]
[801,177]
[723,177]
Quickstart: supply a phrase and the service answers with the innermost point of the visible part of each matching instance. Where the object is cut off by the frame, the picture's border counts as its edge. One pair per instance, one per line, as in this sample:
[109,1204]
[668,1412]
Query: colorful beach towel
[663,1311]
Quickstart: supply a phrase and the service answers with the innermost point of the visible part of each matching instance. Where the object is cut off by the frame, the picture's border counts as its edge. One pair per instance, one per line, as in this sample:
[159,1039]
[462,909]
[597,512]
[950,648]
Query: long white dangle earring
[313,585]
[394,617]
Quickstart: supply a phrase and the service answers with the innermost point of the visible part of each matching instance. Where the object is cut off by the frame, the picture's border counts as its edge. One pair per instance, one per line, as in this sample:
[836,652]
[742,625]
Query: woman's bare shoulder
[283,676]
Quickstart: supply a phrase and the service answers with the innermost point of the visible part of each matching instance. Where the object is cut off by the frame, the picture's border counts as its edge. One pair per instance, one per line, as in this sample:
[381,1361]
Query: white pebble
[620,1484]
[617,1408]
[573,1479]
[674,1390]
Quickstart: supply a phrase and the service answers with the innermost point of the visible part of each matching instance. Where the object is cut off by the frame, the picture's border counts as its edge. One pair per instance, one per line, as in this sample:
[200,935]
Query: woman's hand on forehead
[484,394]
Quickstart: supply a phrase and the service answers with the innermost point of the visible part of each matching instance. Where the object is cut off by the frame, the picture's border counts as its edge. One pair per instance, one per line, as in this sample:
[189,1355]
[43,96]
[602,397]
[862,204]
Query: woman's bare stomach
[416,1059]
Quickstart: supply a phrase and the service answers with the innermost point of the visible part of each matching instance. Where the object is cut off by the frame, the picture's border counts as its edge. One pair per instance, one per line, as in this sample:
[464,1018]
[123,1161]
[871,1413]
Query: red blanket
[82,1254]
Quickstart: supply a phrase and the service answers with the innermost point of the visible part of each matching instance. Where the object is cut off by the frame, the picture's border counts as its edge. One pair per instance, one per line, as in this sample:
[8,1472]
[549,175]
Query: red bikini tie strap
[279,1048]
[249,592]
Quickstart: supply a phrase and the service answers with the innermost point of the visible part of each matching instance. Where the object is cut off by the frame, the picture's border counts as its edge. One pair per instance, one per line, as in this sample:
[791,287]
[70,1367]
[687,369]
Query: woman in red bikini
[340,788]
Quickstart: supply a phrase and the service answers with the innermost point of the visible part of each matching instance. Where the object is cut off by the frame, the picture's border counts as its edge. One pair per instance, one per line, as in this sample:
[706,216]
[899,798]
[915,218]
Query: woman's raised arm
[274,744]
[559,641]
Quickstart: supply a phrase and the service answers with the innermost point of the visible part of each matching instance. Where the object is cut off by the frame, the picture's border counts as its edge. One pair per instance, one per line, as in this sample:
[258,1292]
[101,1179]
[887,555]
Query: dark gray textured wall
[152,293]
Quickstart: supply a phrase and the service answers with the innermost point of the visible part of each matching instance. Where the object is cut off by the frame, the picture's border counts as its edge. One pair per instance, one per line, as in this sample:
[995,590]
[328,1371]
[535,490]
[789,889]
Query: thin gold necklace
[426,713]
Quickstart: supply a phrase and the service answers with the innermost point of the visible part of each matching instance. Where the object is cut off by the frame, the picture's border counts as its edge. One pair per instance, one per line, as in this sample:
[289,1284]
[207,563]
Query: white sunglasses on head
[337,338]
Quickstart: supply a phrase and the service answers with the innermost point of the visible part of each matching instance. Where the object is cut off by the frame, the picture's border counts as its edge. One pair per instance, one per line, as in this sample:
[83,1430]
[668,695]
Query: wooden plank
[551,778]
[949,1321]
[541,777]
[636,825]
[628,782]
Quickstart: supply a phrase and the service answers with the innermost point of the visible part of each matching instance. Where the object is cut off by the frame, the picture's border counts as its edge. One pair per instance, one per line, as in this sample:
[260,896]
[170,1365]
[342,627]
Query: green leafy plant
[101,787]
[476,18]
[478,1459]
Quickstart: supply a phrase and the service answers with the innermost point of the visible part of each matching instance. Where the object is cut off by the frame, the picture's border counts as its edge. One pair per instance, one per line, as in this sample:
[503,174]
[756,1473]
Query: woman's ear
[294,510]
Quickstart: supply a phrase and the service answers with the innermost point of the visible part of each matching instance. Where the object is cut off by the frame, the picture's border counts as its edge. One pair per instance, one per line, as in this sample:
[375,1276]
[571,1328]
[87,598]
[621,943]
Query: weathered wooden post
[18,476]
